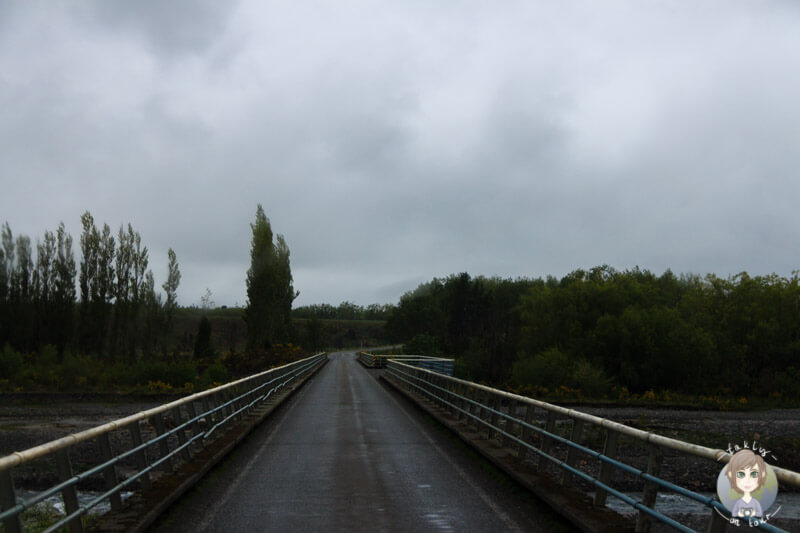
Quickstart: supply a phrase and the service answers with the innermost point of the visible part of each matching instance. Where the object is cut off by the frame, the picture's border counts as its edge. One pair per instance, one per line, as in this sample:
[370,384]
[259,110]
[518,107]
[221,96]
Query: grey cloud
[168,28]
[392,144]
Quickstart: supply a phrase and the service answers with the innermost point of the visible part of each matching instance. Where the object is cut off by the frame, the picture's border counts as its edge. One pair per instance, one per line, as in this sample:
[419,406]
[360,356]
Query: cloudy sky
[392,142]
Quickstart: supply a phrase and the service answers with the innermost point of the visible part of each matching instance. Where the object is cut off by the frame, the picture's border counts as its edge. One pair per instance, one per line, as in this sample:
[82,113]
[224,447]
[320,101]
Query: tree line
[344,311]
[116,312]
[597,329]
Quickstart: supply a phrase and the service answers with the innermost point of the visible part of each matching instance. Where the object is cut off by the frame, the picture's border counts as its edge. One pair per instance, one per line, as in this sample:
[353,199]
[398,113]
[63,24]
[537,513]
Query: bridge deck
[346,454]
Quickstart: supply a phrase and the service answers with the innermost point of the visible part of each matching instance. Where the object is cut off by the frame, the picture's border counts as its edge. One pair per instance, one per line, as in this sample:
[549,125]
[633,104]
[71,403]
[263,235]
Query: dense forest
[100,323]
[599,331]
[116,312]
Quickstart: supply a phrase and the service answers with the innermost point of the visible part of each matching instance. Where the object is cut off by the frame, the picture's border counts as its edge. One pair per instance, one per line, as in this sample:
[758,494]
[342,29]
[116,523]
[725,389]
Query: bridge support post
[643,520]
[163,447]
[176,413]
[220,399]
[609,450]
[482,399]
[458,401]
[494,404]
[474,410]
[110,472]
[572,453]
[8,499]
[140,457]
[209,417]
[511,427]
[433,383]
[194,426]
[69,494]
[547,442]
[444,394]
[236,405]
[530,413]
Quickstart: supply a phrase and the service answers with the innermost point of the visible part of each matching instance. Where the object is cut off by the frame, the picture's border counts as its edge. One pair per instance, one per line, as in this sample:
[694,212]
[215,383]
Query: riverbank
[27,420]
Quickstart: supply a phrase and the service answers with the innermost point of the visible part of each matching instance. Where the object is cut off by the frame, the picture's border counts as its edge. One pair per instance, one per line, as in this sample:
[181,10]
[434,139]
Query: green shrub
[10,363]
[589,379]
[423,345]
[216,373]
[549,369]
[48,356]
[176,374]
[473,365]
[74,372]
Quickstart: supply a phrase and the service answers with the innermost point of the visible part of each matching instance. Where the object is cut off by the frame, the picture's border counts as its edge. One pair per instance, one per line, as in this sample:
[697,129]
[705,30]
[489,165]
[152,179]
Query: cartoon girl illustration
[746,473]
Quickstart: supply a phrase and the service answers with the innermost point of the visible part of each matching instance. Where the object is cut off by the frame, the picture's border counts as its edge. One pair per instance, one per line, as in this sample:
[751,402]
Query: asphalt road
[348,454]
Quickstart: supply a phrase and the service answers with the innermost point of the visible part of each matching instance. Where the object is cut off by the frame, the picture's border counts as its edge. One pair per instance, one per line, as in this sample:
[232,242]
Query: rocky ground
[27,422]
[30,420]
[777,431]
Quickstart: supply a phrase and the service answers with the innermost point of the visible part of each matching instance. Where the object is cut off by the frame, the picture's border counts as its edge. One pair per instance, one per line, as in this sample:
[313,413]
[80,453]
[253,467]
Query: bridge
[388,444]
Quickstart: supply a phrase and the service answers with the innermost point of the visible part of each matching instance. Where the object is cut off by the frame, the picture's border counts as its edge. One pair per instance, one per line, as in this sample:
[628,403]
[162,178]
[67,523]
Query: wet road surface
[347,454]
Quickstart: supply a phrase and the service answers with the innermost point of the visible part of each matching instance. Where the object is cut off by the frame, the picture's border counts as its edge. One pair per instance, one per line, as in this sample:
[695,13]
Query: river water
[84,498]
[669,504]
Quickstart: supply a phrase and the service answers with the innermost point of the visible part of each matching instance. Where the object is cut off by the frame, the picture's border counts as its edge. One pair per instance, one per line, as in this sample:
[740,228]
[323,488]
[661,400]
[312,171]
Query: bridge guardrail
[436,364]
[510,418]
[178,430]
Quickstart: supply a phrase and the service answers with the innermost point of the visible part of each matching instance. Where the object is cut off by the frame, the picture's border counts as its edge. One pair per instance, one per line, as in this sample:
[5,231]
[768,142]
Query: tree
[203,349]
[171,287]
[206,301]
[90,244]
[269,287]
[63,299]
[7,256]
[44,288]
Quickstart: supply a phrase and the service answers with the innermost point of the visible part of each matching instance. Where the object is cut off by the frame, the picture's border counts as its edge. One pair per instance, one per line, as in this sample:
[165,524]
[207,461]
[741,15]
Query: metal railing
[511,419]
[435,364]
[154,441]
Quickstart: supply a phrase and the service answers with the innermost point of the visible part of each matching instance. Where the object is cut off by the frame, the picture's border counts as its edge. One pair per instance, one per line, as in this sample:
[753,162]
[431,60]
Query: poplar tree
[171,288]
[269,287]
[63,293]
[89,269]
[22,296]
[7,255]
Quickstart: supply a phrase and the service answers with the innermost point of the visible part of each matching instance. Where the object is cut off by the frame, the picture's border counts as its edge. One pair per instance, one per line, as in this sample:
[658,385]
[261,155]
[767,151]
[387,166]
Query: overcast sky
[394,142]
